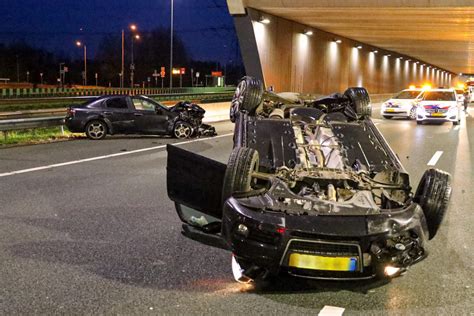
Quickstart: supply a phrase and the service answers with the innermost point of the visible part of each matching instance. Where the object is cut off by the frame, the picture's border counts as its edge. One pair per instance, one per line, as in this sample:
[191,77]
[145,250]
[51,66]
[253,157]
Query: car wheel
[388,117]
[360,101]
[412,115]
[247,97]
[433,194]
[419,122]
[242,163]
[96,130]
[457,122]
[182,130]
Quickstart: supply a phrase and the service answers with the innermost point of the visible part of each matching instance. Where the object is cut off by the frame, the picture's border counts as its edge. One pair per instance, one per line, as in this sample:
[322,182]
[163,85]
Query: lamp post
[79,44]
[123,59]
[171,45]
[132,64]
[17,69]
[61,75]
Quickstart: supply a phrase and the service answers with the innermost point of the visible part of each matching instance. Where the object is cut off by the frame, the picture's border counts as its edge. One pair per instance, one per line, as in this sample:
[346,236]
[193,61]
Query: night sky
[204,25]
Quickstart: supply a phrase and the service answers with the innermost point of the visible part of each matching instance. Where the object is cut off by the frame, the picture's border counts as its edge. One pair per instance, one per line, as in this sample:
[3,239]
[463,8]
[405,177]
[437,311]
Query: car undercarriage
[311,188]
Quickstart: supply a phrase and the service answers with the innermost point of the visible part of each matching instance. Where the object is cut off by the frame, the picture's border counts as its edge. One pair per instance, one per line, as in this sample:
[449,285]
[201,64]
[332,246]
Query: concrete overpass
[382,45]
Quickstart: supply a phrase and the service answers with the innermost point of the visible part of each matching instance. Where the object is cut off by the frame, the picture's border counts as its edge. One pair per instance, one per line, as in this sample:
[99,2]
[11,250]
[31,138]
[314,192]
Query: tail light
[70,112]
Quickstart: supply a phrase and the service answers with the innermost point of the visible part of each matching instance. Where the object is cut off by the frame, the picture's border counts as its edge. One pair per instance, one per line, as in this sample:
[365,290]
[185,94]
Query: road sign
[156,74]
[182,71]
[216,73]
[163,72]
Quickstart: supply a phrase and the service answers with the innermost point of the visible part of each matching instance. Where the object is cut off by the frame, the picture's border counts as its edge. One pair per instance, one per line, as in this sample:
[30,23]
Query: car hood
[187,106]
[402,102]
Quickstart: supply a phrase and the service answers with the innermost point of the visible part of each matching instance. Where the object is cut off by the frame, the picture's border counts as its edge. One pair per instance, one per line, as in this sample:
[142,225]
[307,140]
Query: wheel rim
[413,114]
[182,131]
[96,130]
[238,99]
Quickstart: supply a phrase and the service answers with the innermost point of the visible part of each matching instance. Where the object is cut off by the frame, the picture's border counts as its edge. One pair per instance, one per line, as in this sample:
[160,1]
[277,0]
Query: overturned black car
[125,114]
[311,188]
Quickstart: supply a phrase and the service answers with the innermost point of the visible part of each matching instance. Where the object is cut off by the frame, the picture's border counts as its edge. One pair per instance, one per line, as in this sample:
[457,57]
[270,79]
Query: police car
[438,105]
[401,105]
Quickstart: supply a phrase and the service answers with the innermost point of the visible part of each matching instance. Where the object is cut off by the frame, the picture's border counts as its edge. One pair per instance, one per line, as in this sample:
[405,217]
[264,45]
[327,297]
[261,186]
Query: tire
[388,117]
[96,130]
[433,194]
[360,101]
[238,175]
[412,115]
[419,122]
[457,122]
[247,97]
[182,130]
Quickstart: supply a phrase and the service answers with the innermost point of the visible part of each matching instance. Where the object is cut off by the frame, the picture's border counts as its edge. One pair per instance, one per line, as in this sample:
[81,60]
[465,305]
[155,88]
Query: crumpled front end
[337,247]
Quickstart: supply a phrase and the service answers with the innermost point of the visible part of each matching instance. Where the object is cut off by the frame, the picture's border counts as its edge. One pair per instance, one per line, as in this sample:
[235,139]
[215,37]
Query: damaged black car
[311,189]
[125,114]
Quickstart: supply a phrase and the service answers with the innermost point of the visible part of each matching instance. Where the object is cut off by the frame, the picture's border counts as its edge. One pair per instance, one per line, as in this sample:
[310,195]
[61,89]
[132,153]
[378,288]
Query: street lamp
[171,45]
[41,76]
[133,27]
[79,44]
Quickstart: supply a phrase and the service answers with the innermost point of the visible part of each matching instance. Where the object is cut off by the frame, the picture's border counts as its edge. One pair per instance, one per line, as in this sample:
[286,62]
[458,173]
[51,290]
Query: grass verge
[34,136]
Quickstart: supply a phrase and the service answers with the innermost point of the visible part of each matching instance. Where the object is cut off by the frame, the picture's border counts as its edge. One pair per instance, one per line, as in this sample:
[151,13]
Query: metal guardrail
[19,104]
[31,114]
[19,124]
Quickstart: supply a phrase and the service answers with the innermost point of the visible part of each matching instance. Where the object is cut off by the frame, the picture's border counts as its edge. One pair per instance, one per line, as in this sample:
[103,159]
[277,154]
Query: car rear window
[407,95]
[439,96]
[117,103]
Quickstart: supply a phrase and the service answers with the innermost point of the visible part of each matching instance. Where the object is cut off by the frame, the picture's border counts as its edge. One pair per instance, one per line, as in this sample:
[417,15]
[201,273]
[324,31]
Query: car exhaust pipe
[248,275]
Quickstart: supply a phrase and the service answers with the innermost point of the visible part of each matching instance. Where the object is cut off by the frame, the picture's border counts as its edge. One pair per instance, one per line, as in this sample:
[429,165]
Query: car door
[195,185]
[118,112]
[150,118]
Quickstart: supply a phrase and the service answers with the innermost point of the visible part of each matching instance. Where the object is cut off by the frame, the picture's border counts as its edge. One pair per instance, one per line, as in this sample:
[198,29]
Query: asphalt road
[100,236]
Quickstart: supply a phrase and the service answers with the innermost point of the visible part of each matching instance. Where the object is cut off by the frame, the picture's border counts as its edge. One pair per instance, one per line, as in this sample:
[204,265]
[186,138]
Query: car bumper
[273,238]
[74,125]
[444,118]
[395,112]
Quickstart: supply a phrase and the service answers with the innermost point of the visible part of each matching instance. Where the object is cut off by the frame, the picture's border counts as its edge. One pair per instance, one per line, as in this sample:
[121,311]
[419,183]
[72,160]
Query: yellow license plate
[389,110]
[312,262]
[437,114]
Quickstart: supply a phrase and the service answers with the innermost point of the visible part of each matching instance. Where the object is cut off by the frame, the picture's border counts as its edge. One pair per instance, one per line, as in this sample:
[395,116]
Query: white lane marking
[435,158]
[331,311]
[68,163]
